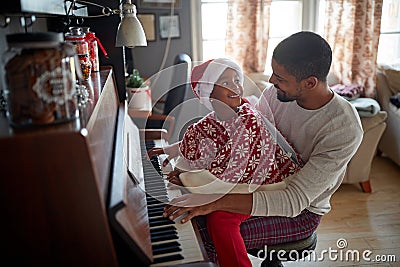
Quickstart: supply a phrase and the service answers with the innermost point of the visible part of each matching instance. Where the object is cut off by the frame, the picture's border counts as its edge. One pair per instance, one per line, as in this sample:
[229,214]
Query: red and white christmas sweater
[239,150]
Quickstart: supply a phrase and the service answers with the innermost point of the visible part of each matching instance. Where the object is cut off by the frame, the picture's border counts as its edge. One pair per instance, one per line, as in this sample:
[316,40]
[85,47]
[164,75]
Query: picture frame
[148,22]
[169,26]
[159,3]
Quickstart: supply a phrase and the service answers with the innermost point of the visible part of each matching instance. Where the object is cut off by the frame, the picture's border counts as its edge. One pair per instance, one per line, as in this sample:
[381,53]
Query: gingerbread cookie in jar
[40,79]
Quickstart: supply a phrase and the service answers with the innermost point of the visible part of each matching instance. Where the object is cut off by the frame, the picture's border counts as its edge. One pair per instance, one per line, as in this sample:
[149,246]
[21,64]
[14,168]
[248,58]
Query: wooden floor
[366,222]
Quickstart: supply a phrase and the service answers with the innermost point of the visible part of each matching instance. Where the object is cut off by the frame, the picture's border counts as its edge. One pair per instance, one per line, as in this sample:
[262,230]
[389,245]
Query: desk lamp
[130,32]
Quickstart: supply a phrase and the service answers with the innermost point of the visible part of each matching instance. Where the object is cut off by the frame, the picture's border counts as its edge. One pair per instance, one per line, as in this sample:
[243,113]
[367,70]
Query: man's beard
[282,96]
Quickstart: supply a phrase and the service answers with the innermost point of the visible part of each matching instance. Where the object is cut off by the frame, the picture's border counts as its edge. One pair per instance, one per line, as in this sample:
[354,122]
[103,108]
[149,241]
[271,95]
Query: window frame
[310,18]
[395,58]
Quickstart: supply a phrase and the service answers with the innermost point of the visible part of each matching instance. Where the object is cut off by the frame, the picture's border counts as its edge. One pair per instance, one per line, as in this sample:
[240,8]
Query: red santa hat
[205,75]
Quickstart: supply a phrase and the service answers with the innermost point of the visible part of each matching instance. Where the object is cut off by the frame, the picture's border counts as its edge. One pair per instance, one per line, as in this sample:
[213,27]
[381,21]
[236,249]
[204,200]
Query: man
[323,127]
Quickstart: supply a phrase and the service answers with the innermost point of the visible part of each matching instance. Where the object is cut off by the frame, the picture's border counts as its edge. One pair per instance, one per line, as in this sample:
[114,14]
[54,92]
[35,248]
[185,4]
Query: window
[213,28]
[389,40]
[287,17]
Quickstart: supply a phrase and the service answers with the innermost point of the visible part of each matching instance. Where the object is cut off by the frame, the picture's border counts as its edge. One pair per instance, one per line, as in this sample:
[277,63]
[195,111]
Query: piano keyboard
[172,242]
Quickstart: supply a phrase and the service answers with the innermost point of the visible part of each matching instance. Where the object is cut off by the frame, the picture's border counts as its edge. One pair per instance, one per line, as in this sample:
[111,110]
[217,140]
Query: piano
[83,193]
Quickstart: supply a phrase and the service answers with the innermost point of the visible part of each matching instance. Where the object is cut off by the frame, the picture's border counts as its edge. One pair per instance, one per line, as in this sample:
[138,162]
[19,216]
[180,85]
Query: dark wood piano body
[65,191]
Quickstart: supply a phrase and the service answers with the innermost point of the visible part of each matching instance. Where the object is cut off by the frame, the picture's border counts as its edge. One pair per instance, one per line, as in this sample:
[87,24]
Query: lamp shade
[130,32]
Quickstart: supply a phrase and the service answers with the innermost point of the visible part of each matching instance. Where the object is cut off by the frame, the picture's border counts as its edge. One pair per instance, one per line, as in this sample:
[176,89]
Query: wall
[148,59]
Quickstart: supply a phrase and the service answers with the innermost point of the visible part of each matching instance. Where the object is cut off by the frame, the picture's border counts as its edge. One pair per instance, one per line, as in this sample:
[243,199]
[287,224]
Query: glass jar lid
[75,32]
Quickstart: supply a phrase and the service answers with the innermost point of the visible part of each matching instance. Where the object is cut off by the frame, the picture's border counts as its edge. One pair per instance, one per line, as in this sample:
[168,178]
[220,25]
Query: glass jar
[40,79]
[91,39]
[76,37]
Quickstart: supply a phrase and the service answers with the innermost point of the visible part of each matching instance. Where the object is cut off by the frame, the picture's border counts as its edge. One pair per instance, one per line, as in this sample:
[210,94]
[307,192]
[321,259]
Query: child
[231,144]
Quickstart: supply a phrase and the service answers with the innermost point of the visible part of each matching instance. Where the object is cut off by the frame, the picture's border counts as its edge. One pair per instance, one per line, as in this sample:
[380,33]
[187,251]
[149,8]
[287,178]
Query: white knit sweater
[326,139]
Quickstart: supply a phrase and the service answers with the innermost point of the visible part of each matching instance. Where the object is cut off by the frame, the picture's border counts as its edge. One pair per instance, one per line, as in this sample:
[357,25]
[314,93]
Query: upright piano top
[96,85]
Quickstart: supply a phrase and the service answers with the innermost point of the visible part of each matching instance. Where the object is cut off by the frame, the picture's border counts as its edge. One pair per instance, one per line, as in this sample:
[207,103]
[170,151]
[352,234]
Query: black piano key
[164,233]
[152,181]
[155,213]
[159,191]
[168,258]
[155,182]
[168,247]
[151,195]
[156,188]
[163,237]
[155,185]
[160,221]
[158,200]
[165,245]
[152,200]
[155,207]
[165,250]
[164,229]
[158,196]
[157,168]
[150,167]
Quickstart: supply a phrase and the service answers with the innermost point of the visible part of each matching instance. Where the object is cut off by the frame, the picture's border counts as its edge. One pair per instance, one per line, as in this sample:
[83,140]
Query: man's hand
[191,204]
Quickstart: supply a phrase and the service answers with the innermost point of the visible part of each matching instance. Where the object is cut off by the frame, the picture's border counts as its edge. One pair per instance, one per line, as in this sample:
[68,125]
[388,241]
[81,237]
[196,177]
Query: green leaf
[134,80]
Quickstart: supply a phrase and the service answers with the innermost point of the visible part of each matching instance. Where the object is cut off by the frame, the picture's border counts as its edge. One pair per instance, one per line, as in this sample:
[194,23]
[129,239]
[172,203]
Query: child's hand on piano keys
[155,151]
[173,177]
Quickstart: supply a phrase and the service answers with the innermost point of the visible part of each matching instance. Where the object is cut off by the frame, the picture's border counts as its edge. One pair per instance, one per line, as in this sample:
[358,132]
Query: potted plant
[134,80]
[139,94]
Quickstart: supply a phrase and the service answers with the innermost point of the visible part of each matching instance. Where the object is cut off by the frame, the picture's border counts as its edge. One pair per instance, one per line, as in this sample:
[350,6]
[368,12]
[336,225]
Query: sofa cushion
[370,122]
[392,74]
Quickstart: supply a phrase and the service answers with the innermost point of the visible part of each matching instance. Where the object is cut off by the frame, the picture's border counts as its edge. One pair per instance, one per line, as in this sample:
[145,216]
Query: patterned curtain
[352,28]
[247,33]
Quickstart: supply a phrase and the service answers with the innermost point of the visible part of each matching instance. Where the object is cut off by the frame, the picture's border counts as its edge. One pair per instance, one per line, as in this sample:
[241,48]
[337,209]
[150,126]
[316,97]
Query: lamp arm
[105,11]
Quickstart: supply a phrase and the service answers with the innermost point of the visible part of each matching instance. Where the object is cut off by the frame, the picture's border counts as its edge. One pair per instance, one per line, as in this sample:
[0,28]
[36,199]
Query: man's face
[288,89]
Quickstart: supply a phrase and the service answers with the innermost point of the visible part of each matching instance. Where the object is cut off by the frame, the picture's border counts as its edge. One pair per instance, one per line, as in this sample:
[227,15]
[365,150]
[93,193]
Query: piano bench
[290,251]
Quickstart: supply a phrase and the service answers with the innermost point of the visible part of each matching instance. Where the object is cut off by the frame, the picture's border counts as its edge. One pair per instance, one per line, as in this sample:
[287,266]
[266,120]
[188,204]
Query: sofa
[359,167]
[388,84]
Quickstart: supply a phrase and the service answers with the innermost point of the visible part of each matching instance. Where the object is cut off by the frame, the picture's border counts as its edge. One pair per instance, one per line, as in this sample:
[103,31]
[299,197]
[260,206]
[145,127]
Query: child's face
[228,89]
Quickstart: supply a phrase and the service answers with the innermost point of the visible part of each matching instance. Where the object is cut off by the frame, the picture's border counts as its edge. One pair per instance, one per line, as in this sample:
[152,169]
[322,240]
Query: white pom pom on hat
[205,75]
